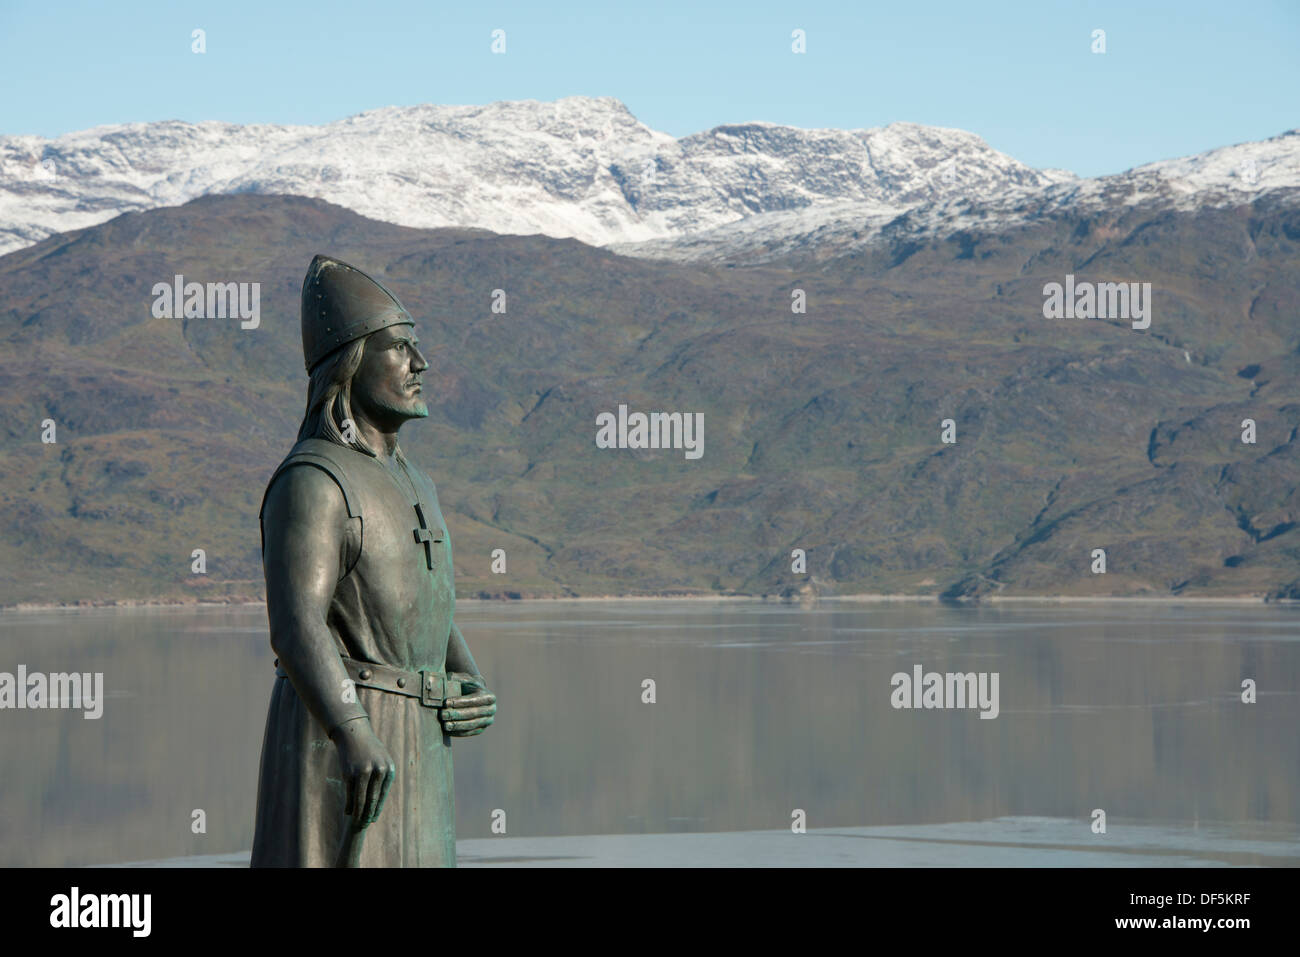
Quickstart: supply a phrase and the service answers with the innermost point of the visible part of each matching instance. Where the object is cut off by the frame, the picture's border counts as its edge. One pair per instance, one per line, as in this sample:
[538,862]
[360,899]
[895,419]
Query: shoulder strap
[321,454]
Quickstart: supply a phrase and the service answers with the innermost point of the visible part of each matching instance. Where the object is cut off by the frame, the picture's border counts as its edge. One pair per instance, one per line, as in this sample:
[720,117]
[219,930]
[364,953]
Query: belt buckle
[433,689]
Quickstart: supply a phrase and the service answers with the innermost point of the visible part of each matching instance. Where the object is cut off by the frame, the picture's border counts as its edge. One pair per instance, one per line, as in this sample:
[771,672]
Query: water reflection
[760,709]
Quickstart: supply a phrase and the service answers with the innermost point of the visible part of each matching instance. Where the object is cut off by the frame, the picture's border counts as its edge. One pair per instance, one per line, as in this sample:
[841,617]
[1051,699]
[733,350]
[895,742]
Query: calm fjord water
[760,708]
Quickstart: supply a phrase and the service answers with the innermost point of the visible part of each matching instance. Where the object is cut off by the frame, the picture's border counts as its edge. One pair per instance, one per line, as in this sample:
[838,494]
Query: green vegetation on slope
[822,430]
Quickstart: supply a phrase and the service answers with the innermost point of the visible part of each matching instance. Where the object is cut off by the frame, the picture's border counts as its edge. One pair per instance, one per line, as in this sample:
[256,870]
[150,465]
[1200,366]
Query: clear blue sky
[1177,78]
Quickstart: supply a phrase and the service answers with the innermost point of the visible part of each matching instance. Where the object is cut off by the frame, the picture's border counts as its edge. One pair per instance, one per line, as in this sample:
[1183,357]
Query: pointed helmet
[341,303]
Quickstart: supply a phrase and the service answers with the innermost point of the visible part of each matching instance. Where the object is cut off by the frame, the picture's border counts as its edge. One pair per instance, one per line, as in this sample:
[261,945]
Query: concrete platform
[1003,842]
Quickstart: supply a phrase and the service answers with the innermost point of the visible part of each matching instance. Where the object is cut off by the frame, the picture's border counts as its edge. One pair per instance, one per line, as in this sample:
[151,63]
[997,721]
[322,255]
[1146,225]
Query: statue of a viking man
[373,676]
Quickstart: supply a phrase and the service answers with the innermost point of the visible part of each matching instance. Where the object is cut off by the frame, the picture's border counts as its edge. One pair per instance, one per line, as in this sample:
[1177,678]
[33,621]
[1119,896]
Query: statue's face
[386,387]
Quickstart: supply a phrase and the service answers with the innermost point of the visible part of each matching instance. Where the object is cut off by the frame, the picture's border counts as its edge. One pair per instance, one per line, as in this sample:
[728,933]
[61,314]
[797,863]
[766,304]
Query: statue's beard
[413,408]
[385,407]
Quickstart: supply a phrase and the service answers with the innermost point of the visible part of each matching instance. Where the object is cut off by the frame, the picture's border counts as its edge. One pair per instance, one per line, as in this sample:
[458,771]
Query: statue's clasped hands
[369,769]
[472,711]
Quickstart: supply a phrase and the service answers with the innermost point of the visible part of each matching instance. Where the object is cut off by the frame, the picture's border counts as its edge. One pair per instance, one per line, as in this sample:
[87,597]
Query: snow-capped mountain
[579,167]
[1225,176]
[586,168]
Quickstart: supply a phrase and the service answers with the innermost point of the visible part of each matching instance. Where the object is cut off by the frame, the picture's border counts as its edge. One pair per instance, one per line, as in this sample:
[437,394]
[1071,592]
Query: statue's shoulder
[321,458]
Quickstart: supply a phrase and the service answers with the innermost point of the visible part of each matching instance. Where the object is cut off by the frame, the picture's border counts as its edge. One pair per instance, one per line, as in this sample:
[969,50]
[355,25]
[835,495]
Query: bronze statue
[373,676]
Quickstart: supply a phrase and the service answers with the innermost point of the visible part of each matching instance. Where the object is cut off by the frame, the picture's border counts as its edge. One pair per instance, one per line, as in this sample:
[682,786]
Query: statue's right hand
[368,770]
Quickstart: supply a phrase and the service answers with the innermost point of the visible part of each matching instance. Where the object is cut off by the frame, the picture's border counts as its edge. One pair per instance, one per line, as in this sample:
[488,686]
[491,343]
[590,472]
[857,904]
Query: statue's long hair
[329,397]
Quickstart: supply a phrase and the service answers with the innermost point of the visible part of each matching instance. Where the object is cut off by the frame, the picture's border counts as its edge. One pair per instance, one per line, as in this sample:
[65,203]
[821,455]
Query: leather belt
[432,688]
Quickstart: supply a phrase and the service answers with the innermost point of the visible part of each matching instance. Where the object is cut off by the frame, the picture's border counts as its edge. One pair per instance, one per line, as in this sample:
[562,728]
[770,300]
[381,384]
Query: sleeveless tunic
[388,608]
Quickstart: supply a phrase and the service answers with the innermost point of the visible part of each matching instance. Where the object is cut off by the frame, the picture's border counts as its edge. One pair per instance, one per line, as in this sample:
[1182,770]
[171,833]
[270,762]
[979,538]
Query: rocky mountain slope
[822,429]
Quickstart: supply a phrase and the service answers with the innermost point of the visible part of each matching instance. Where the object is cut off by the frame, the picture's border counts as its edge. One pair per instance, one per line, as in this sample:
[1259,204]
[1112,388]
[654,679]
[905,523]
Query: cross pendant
[423,536]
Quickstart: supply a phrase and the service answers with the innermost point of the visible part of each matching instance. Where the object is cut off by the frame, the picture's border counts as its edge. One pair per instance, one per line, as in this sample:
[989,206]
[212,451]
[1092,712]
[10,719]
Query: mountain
[579,167]
[1220,178]
[586,168]
[822,429]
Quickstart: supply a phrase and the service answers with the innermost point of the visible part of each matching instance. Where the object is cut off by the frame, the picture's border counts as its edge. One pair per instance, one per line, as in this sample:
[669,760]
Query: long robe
[390,608]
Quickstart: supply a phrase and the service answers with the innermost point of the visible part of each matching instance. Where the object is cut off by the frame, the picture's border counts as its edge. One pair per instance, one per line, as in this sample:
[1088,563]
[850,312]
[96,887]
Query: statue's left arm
[458,656]
[472,712]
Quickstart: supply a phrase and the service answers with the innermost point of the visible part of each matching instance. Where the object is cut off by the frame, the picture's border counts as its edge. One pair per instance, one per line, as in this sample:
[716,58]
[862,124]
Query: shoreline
[864,598]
